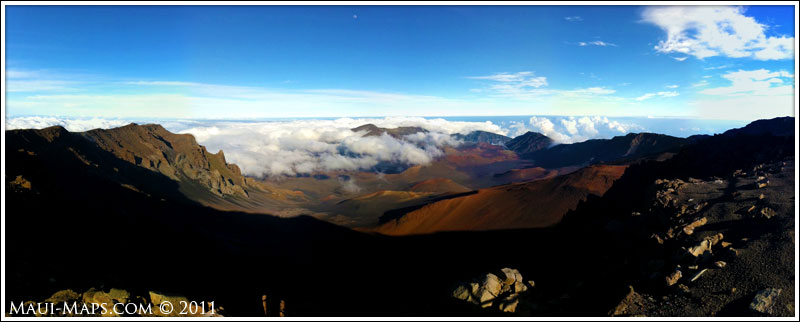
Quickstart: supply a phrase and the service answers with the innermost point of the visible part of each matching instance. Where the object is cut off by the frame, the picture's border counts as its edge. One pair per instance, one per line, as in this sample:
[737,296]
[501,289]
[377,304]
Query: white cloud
[707,31]
[672,86]
[657,94]
[595,43]
[576,129]
[751,95]
[680,58]
[573,18]
[525,85]
[717,67]
[701,83]
[759,82]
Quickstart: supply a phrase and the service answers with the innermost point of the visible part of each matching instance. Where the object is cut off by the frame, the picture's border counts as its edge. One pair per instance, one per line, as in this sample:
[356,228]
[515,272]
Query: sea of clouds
[307,146]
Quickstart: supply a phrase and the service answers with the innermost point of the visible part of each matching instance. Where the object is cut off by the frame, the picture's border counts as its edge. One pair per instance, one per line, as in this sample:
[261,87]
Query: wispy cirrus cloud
[751,94]
[573,18]
[759,82]
[657,94]
[599,43]
[526,84]
[28,81]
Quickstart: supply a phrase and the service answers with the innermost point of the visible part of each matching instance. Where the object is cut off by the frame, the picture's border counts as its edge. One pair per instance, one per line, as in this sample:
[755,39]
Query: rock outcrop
[503,292]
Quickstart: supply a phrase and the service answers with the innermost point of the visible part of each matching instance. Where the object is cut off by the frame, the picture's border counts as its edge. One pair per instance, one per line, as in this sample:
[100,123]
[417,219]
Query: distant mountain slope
[373,130]
[529,142]
[779,126]
[633,145]
[483,137]
[527,205]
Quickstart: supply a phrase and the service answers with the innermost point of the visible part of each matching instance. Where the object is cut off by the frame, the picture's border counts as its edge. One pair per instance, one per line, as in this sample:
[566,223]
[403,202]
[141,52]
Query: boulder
[689,229]
[764,301]
[462,292]
[509,304]
[705,245]
[490,288]
[674,277]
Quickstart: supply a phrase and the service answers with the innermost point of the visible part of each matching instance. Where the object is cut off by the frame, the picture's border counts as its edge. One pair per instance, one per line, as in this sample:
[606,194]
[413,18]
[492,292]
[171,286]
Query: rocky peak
[177,156]
[529,142]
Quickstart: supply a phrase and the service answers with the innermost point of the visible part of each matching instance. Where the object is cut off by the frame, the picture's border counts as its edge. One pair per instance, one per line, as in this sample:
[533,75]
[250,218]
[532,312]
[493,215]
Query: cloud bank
[310,146]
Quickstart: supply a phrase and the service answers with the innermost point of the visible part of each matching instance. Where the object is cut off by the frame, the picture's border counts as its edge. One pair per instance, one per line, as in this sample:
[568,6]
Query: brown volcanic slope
[526,205]
[438,185]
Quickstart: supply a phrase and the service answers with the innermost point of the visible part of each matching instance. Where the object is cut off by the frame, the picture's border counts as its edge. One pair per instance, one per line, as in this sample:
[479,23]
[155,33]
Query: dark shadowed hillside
[631,146]
[529,142]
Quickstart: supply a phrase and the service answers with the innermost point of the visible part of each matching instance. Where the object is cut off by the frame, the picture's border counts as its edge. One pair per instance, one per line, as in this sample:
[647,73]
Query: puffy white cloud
[577,129]
[707,31]
[657,94]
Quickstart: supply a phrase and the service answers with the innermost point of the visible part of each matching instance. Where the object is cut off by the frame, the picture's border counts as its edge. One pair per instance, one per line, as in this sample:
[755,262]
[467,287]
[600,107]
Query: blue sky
[330,61]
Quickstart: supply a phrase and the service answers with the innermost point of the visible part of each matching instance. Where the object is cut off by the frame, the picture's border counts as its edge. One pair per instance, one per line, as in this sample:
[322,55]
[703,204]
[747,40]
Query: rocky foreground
[702,247]
[720,246]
